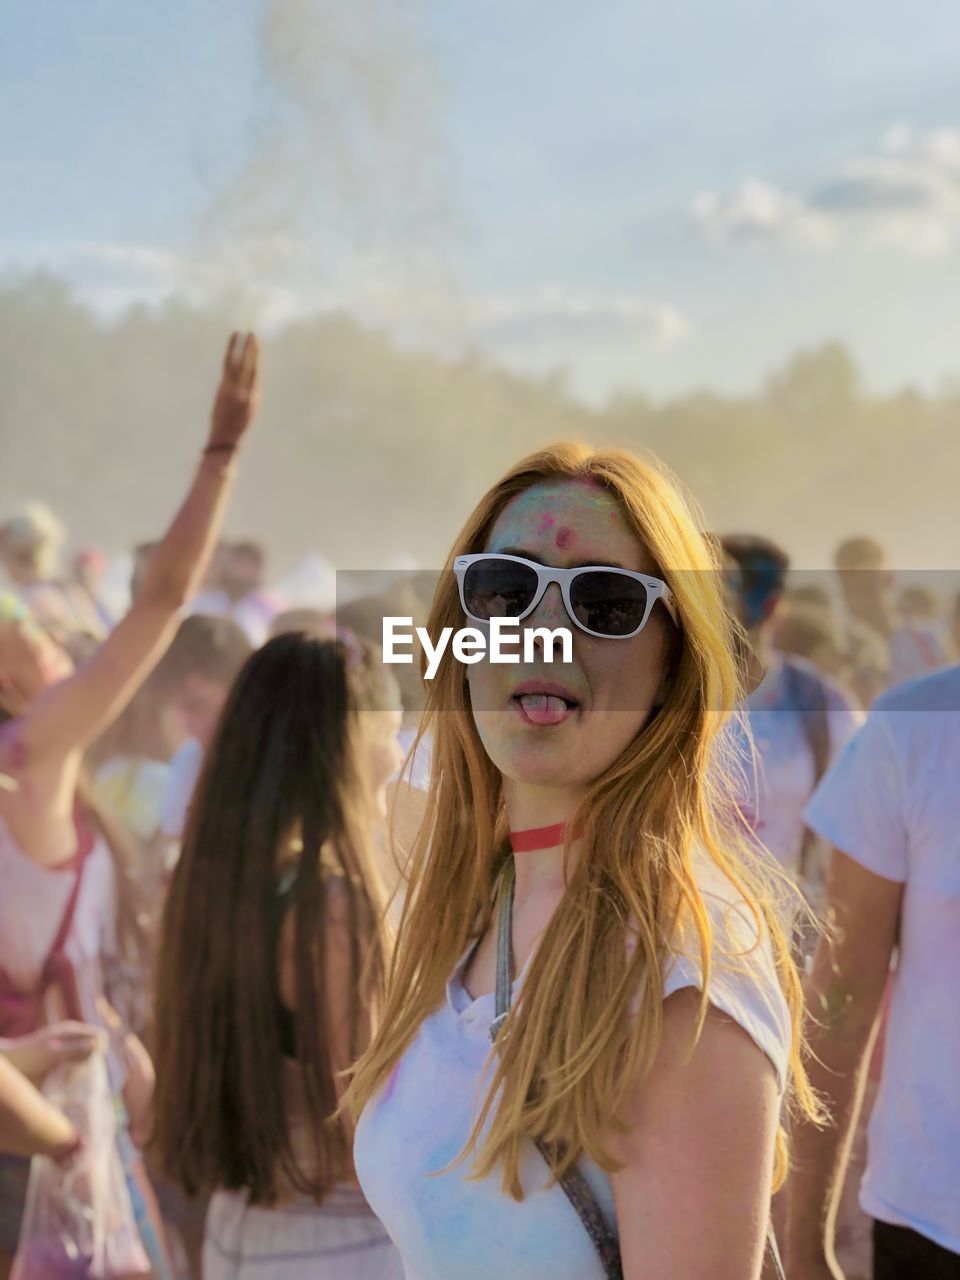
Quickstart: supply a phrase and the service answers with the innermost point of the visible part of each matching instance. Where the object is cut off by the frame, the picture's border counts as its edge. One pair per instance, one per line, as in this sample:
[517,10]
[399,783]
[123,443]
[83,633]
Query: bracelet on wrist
[223,460]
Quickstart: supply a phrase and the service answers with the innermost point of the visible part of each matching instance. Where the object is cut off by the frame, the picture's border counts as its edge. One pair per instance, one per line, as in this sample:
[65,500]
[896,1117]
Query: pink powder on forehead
[546,523]
[565,538]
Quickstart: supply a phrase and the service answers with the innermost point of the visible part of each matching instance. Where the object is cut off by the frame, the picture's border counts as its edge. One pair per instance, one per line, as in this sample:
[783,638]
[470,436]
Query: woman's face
[610,686]
[30,661]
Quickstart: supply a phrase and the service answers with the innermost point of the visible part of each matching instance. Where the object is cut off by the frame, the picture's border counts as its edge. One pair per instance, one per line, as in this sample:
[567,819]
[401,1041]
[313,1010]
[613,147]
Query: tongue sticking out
[544,708]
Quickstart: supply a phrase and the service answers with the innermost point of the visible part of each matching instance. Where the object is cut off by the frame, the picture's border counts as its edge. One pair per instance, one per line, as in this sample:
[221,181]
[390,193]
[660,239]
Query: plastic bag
[78,1220]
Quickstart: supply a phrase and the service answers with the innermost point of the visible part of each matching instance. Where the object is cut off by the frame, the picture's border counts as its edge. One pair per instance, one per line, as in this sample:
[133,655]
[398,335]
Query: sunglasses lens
[609,603]
[498,589]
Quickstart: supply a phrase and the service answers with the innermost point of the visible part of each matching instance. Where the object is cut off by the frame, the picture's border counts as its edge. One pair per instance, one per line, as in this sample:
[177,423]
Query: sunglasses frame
[657,589]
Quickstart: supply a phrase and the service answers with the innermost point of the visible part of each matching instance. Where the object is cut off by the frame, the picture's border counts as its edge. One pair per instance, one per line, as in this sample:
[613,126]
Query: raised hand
[238,396]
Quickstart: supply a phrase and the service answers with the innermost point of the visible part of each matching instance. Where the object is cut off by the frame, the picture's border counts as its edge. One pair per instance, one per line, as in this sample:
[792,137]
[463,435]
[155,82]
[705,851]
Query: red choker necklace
[540,837]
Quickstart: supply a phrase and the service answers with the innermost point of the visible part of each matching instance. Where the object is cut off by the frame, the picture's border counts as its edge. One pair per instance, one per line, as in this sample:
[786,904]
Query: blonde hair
[588,1021]
[34,536]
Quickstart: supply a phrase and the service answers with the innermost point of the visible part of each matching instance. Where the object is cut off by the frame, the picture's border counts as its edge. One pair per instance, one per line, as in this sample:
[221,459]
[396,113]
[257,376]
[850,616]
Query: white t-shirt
[449,1228]
[915,651]
[776,795]
[416,771]
[133,790]
[33,899]
[254,612]
[890,803]
[182,775]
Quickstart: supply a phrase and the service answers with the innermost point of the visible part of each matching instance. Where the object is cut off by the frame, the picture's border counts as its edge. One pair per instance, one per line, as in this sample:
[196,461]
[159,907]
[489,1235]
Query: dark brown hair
[215,648]
[282,771]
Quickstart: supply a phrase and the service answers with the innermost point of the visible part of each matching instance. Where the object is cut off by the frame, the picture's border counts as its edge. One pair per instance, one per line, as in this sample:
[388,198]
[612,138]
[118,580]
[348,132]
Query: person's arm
[72,713]
[140,1080]
[843,995]
[35,1055]
[693,1199]
[29,1124]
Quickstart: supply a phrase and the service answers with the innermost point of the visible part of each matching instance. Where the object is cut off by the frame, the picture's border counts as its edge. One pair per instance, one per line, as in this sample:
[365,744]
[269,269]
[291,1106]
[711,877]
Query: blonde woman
[651,1030]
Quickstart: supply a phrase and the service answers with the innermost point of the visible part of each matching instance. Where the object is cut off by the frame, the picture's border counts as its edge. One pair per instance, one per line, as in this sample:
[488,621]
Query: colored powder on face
[537,511]
[599,496]
[565,538]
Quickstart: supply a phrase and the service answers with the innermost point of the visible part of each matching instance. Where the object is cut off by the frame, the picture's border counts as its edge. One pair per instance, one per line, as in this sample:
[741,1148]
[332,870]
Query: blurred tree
[366,453]
[817,382]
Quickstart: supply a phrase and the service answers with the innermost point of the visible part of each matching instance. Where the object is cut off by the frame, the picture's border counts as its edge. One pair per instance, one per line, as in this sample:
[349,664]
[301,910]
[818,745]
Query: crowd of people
[626,966]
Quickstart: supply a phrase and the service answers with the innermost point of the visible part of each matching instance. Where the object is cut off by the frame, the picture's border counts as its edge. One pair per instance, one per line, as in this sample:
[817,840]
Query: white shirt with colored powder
[890,804]
[182,775]
[776,794]
[449,1228]
[916,650]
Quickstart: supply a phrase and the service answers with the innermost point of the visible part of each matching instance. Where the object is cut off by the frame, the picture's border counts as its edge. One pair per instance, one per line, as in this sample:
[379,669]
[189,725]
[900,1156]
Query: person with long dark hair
[64,909]
[272,963]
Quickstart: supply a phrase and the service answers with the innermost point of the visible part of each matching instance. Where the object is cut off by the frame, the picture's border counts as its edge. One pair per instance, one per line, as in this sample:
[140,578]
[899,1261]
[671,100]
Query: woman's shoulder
[17,864]
[742,976]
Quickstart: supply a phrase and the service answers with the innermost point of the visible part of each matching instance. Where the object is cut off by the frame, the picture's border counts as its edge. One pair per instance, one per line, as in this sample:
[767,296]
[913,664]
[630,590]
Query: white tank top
[33,899]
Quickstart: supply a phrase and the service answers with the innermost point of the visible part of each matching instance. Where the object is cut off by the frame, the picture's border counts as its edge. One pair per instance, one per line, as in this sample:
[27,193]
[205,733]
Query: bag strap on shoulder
[574,1185]
[57,969]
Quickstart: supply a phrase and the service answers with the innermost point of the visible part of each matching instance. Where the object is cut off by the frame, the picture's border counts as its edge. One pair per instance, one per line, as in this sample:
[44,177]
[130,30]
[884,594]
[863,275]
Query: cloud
[758,211]
[904,197]
[555,315]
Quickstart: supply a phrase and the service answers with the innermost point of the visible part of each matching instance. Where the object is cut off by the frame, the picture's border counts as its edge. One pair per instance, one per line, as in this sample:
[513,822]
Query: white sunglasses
[602,601]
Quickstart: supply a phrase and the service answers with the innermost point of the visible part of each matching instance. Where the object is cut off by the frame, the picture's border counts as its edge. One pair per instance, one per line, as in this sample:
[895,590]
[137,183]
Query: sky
[655,198]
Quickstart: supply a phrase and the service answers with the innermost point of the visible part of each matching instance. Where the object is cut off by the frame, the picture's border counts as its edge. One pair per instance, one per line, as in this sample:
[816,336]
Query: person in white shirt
[867,585]
[238,592]
[200,667]
[799,719]
[889,808]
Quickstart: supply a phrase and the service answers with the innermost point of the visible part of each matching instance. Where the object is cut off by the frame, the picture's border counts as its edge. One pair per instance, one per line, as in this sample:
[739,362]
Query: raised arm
[843,996]
[69,715]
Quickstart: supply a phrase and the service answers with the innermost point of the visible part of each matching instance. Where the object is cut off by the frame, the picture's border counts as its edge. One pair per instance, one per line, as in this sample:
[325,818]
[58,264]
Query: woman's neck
[540,870]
